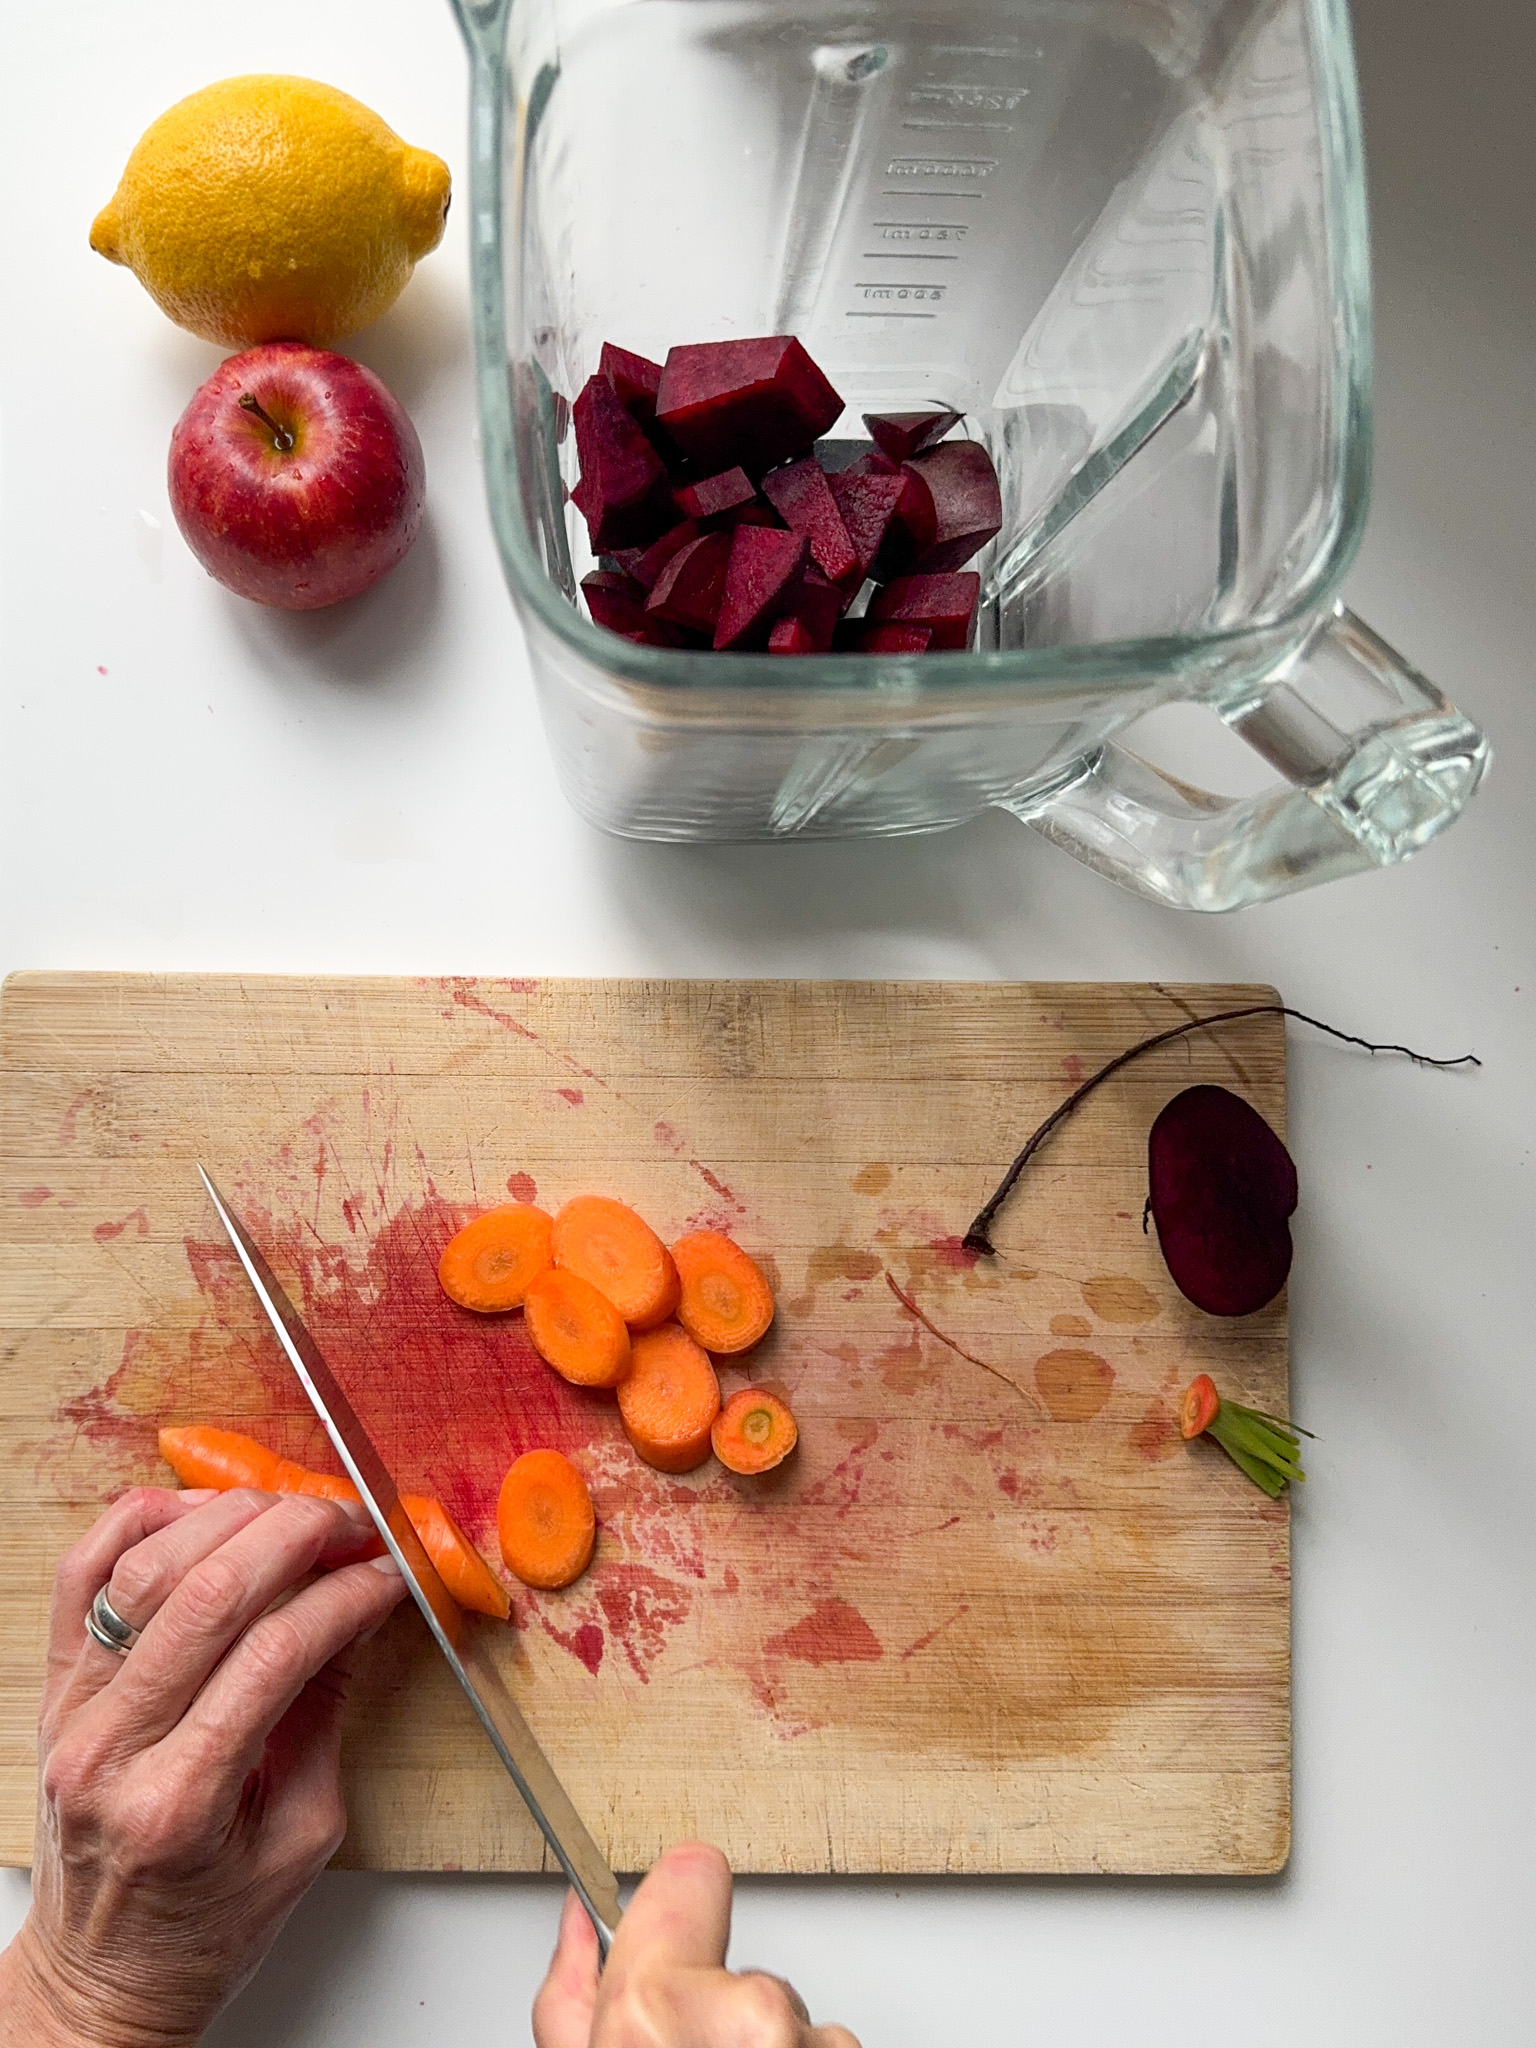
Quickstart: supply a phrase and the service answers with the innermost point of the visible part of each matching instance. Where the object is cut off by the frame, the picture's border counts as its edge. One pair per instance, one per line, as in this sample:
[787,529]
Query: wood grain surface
[994,1615]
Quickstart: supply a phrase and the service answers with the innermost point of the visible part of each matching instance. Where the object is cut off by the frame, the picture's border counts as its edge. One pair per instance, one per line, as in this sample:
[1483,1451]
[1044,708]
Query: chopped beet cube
[615,600]
[868,505]
[646,564]
[754,514]
[818,605]
[765,567]
[946,604]
[902,435]
[1223,1188]
[913,529]
[892,636]
[689,589]
[754,402]
[967,501]
[713,495]
[624,493]
[790,637]
[803,498]
[873,462]
[635,380]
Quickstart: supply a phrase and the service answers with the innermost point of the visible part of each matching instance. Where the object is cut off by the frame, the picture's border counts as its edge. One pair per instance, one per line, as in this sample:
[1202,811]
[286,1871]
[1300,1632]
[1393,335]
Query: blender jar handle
[1376,762]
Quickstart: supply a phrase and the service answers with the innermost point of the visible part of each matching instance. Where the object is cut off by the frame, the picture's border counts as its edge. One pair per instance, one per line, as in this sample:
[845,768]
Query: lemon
[272,209]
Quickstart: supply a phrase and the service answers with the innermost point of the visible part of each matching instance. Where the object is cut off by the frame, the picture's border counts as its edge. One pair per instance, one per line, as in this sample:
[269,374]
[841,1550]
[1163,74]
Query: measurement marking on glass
[882,315]
[905,256]
[977,167]
[978,99]
[951,127]
[899,192]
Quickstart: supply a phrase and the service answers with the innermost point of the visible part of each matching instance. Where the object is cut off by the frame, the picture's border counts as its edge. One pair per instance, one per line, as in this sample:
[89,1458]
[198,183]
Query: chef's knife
[512,1739]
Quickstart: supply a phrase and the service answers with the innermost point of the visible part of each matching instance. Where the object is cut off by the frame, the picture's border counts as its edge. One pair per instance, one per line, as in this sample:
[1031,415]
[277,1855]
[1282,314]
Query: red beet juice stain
[832,1633]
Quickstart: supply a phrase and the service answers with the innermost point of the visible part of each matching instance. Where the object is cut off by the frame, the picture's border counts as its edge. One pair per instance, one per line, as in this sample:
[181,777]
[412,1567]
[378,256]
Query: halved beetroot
[801,495]
[867,504]
[967,499]
[624,494]
[713,495]
[635,380]
[788,636]
[764,568]
[756,402]
[895,637]
[689,589]
[646,564]
[818,604]
[945,604]
[901,435]
[615,600]
[1223,1189]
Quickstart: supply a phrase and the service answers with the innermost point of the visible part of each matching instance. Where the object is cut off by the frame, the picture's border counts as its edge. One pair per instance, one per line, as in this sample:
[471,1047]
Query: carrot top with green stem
[1261,1446]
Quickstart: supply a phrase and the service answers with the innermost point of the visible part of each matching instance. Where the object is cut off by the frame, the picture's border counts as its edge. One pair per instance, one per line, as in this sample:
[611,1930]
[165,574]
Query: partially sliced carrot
[459,1565]
[200,1455]
[544,1520]
[1199,1407]
[489,1264]
[576,1329]
[754,1431]
[607,1243]
[329,1486]
[726,1305]
[670,1399]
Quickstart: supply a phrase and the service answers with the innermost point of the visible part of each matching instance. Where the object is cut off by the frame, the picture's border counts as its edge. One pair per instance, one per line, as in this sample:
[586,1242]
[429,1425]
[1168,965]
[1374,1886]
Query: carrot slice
[725,1304]
[576,1329]
[489,1264]
[202,1456]
[459,1565]
[544,1520]
[607,1243]
[670,1399]
[754,1431]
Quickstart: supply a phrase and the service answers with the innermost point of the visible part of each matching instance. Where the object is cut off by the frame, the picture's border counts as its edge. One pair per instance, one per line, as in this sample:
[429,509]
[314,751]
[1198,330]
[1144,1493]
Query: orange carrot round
[202,1456]
[607,1243]
[754,1431]
[489,1265]
[670,1399]
[1198,1409]
[459,1565]
[726,1305]
[544,1520]
[576,1329]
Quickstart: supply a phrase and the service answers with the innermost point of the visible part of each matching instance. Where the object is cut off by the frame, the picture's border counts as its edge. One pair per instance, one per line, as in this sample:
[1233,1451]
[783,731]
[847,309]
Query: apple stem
[282,439]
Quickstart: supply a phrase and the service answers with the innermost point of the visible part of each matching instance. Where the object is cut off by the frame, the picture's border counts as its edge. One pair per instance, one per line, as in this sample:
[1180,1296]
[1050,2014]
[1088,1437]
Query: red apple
[295,477]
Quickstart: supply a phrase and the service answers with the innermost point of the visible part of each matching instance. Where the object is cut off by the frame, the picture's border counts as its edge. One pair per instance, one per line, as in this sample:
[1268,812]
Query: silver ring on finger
[106,1626]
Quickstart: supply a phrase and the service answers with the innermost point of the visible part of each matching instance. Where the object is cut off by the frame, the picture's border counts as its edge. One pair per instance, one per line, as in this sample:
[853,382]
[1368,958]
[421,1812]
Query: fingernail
[195,1496]
[385,1564]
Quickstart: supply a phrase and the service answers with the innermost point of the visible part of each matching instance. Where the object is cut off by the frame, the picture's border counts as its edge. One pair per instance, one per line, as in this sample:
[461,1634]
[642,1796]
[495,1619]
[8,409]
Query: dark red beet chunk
[818,605]
[893,637]
[689,589]
[765,567]
[913,529]
[1222,1188]
[615,601]
[901,435]
[790,637]
[646,564]
[624,493]
[946,605]
[801,495]
[713,495]
[968,503]
[635,380]
[868,505]
[754,514]
[755,402]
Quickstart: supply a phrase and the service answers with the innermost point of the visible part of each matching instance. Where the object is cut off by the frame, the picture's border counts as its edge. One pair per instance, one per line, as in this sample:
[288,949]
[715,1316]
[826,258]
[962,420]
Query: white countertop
[191,783]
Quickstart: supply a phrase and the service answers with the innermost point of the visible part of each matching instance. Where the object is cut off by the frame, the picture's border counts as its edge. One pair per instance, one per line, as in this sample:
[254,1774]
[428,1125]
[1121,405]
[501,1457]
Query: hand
[188,1792]
[666,1984]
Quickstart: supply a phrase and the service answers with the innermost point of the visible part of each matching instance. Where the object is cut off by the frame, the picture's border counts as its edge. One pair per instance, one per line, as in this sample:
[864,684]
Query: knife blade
[458,1639]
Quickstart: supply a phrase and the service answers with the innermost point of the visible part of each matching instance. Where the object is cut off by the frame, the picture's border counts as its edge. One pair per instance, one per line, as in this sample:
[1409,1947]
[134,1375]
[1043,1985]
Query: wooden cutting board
[994,1616]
